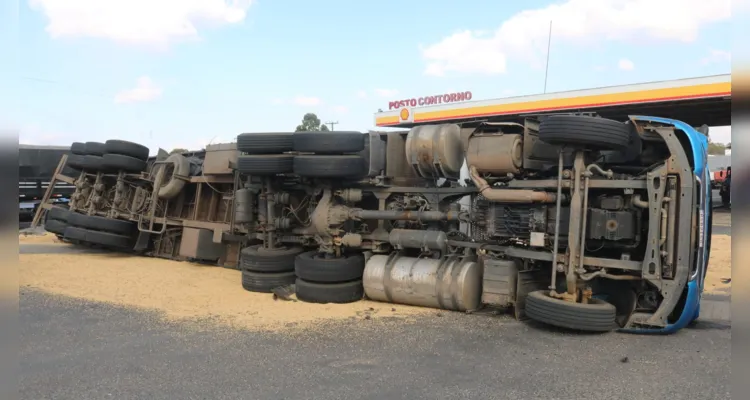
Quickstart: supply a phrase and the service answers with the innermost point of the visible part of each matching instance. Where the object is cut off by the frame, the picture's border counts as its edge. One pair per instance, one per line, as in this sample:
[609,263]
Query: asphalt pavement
[72,349]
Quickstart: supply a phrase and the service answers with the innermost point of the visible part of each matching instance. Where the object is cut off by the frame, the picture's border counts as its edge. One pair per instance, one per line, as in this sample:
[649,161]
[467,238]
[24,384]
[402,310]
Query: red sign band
[430,100]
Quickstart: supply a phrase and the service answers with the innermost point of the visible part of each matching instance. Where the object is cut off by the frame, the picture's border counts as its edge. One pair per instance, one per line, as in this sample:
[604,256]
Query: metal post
[555,246]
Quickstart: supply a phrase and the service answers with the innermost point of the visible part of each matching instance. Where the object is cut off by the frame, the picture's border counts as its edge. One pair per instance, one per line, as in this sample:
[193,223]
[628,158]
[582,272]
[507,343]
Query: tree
[311,123]
[178,151]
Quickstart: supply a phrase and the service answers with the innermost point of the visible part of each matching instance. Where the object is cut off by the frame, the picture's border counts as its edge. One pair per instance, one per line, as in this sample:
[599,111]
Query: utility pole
[332,123]
[549,42]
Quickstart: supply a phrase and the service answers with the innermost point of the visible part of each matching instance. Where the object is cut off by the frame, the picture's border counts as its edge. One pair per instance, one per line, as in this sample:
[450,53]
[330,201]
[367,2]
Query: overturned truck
[570,220]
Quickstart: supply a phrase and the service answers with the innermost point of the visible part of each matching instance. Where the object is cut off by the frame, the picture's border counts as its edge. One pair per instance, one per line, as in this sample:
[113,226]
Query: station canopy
[696,101]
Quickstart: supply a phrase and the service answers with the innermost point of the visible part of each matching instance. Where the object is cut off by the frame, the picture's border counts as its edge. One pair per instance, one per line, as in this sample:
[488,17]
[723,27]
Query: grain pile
[719,275]
[38,238]
[184,291]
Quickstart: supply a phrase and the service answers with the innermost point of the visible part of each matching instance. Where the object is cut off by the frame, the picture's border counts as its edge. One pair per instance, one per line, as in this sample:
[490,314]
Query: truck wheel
[265,143]
[259,259]
[173,187]
[338,142]
[590,132]
[58,214]
[597,316]
[313,266]
[55,226]
[97,223]
[265,164]
[101,238]
[78,148]
[348,166]
[125,148]
[265,282]
[119,162]
[94,149]
[322,293]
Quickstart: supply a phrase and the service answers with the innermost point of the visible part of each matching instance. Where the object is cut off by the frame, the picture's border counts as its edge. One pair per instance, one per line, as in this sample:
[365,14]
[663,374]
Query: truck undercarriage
[575,221]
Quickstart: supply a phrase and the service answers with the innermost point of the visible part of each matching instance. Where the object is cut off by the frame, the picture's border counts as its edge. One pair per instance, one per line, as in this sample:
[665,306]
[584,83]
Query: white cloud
[138,22]
[340,109]
[717,56]
[524,36]
[386,92]
[625,65]
[144,90]
[362,94]
[306,101]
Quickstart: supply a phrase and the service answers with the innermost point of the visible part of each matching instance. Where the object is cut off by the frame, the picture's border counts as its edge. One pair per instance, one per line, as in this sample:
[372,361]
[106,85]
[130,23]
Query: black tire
[73,233]
[597,316]
[265,143]
[119,162]
[584,131]
[100,238]
[311,266]
[94,148]
[258,259]
[57,214]
[265,164]
[85,163]
[78,148]
[125,148]
[265,282]
[338,142]
[97,223]
[348,166]
[55,226]
[322,293]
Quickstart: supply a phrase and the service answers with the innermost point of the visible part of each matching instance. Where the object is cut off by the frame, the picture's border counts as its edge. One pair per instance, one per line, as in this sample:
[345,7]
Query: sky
[186,73]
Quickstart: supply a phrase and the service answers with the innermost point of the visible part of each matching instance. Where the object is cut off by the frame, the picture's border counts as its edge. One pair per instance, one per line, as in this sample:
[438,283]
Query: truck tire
[78,148]
[597,316]
[323,293]
[119,162]
[265,282]
[338,142]
[265,164]
[55,226]
[125,148]
[265,142]
[58,214]
[259,259]
[584,131]
[173,187]
[326,166]
[313,267]
[94,149]
[101,238]
[86,163]
[103,224]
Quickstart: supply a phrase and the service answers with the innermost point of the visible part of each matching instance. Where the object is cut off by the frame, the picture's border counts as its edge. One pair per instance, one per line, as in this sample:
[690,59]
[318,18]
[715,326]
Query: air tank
[435,151]
[243,206]
[449,283]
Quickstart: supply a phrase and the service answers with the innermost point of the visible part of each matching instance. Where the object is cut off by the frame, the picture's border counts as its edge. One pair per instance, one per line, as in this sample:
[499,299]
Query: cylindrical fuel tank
[243,206]
[449,283]
[495,154]
[435,151]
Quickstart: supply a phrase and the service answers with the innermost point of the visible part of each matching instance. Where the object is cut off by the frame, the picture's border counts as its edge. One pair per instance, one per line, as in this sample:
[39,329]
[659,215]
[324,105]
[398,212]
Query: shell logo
[404,114]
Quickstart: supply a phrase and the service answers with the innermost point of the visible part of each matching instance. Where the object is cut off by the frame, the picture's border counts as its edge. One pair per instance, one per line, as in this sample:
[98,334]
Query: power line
[549,42]
[332,123]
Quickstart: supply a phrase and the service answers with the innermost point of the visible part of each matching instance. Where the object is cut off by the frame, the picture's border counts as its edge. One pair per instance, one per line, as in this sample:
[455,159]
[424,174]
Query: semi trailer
[571,220]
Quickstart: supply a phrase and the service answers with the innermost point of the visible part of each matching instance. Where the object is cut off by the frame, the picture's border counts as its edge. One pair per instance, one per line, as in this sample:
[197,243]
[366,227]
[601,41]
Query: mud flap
[527,282]
[143,241]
